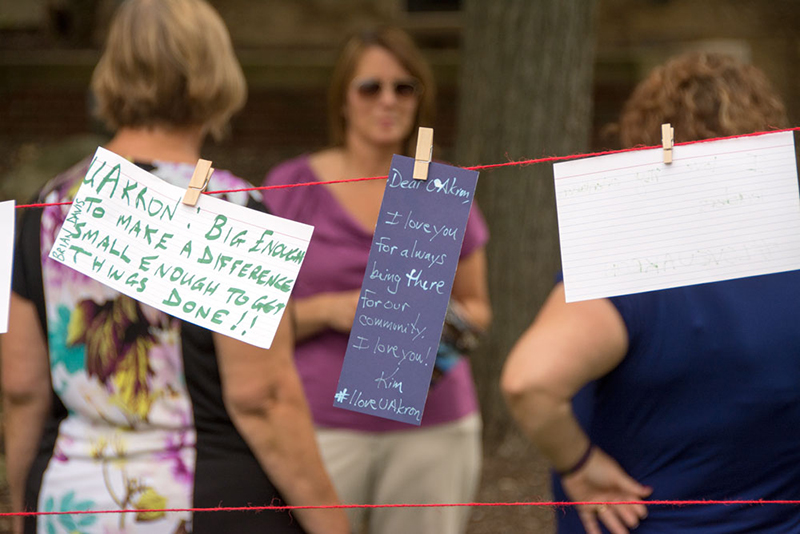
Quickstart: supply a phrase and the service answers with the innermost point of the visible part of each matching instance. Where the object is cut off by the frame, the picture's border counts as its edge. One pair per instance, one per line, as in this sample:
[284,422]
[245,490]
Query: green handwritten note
[219,265]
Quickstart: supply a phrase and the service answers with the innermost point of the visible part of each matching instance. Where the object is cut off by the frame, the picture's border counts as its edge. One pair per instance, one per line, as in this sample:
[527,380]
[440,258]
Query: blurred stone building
[287,47]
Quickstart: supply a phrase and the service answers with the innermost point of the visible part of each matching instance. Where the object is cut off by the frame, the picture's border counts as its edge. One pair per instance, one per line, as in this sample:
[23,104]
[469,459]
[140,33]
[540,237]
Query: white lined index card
[629,223]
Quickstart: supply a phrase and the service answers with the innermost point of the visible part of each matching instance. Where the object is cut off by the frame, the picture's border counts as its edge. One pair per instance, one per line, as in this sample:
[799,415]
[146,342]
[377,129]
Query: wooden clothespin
[667,141]
[424,154]
[199,182]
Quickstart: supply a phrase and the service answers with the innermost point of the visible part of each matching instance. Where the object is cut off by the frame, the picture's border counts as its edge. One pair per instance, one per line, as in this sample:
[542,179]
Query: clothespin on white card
[199,182]
[424,154]
[667,141]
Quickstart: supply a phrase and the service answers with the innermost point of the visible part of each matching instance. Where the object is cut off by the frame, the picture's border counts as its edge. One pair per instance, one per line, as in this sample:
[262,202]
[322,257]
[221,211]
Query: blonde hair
[402,47]
[168,63]
[703,95]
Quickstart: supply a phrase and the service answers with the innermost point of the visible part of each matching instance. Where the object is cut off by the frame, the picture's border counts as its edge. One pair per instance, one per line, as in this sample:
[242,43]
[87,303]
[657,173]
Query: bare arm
[264,396]
[314,314]
[568,346]
[471,291]
[26,394]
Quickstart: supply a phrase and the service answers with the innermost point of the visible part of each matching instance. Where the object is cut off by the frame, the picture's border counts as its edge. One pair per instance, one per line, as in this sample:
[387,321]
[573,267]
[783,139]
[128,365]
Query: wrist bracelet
[579,464]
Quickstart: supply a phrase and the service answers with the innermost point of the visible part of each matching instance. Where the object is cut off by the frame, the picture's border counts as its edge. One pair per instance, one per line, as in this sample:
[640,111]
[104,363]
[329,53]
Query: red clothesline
[492,166]
[551,504]
[548,504]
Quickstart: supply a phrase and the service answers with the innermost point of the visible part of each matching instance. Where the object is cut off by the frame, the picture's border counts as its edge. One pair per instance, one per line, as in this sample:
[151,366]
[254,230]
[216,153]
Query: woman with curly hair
[688,393]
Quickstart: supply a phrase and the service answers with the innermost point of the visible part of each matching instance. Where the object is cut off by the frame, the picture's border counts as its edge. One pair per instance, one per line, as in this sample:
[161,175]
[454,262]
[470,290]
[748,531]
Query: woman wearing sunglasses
[381,91]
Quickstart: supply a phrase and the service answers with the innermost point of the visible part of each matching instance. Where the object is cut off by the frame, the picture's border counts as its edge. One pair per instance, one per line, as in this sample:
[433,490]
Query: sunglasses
[371,88]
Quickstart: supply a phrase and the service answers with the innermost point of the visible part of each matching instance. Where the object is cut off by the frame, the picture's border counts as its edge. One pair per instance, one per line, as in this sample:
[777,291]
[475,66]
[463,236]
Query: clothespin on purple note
[424,154]
[667,141]
[199,182]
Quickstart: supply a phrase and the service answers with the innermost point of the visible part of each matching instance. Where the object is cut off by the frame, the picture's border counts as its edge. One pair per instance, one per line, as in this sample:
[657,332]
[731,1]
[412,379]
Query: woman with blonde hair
[112,405]
[381,91]
[688,393]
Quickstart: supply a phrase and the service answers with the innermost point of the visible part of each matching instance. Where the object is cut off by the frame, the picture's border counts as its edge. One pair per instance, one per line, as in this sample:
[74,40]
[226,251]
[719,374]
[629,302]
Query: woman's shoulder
[292,171]
[65,184]
[240,190]
[237,190]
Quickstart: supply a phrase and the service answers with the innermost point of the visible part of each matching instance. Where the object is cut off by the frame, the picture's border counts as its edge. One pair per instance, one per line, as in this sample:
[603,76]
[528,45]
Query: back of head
[168,63]
[402,47]
[702,95]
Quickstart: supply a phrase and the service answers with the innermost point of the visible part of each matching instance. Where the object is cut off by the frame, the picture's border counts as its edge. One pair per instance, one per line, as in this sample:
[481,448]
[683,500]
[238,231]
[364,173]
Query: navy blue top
[706,404]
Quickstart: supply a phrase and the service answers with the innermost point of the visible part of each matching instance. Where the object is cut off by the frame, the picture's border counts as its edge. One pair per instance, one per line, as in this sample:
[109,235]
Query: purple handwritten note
[390,356]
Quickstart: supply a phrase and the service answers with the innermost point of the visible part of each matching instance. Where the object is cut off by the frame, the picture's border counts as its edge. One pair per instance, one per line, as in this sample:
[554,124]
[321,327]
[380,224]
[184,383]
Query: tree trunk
[526,84]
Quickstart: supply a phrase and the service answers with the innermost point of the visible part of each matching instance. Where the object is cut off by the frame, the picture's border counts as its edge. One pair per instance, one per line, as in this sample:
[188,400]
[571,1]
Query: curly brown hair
[703,95]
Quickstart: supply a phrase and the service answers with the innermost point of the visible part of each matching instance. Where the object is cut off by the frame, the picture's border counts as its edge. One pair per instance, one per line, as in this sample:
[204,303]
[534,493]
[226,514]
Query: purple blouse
[336,261]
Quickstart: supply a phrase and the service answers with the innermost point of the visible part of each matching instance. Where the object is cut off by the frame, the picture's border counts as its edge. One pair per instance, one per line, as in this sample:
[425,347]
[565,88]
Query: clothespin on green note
[424,154]
[199,182]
